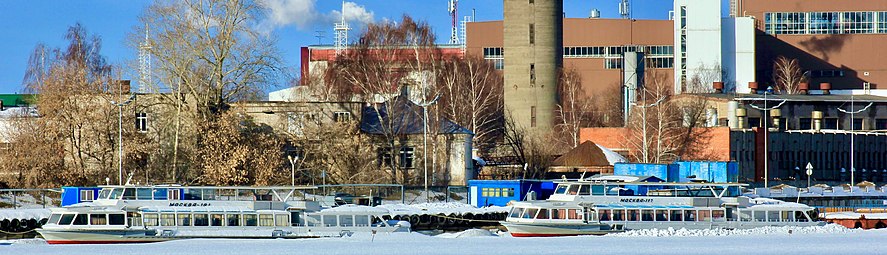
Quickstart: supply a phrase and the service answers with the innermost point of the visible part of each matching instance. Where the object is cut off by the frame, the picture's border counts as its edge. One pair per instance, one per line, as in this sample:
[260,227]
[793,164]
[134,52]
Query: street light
[120,138]
[766,120]
[852,113]
[424,106]
[293,164]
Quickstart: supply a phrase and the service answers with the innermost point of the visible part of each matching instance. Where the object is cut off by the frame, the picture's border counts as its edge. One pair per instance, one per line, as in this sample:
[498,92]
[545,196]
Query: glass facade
[656,56]
[848,22]
[495,56]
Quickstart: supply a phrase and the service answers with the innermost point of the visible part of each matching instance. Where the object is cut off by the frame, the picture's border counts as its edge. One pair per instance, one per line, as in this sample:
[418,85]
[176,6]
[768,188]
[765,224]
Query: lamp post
[293,164]
[766,110]
[424,106]
[120,137]
[809,173]
[852,113]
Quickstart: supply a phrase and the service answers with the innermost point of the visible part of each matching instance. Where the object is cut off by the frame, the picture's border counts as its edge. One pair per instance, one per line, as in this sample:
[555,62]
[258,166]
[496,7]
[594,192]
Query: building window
[857,124]
[495,56]
[532,34]
[754,122]
[659,62]
[532,75]
[805,123]
[384,157]
[532,1]
[881,124]
[850,22]
[532,116]
[341,116]
[406,157]
[613,63]
[825,73]
[830,123]
[142,122]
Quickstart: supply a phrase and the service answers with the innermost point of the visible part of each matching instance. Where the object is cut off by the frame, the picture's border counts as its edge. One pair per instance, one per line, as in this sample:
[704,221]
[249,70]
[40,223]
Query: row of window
[179,193]
[216,219]
[703,215]
[851,22]
[497,192]
[832,123]
[617,51]
[82,219]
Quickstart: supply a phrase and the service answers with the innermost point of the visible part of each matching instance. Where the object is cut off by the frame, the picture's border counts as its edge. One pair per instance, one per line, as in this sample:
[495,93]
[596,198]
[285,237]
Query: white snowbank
[612,156]
[24,214]
[827,229]
[438,208]
[468,233]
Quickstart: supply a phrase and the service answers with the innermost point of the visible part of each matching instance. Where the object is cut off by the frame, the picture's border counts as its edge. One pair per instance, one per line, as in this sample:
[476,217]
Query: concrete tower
[533,53]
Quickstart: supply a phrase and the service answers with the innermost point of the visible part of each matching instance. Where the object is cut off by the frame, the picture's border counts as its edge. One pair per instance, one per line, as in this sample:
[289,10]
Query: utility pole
[766,111]
[120,131]
[424,106]
[853,113]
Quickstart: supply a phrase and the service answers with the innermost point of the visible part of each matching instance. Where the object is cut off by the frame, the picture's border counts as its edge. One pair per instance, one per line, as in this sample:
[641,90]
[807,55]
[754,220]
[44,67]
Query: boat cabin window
[604,215]
[143,193]
[87,195]
[174,194]
[250,220]
[54,218]
[116,219]
[328,220]
[661,215]
[647,215]
[633,215]
[233,220]
[561,189]
[80,219]
[216,219]
[530,213]
[201,220]
[129,194]
[516,212]
[266,220]
[208,194]
[543,214]
[689,215]
[619,215]
[183,219]
[704,215]
[167,219]
[159,193]
[573,190]
[150,219]
[104,193]
[574,214]
[676,215]
[584,190]
[359,220]
[115,193]
[66,219]
[772,215]
[718,215]
[282,220]
[192,194]
[558,214]
[598,190]
[98,219]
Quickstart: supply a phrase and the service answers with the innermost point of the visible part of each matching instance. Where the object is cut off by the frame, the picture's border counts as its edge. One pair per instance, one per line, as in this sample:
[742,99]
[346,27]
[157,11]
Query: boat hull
[520,229]
[98,236]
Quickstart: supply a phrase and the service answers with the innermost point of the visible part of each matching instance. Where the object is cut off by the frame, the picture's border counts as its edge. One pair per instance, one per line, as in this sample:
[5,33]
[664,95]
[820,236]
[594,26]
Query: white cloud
[304,14]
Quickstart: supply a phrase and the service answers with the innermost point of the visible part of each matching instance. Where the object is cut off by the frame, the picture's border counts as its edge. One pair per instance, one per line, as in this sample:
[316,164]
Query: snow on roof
[9,214]
[612,156]
[769,203]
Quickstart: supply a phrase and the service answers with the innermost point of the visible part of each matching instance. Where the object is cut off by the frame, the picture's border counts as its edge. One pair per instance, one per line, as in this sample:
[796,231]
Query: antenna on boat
[129,179]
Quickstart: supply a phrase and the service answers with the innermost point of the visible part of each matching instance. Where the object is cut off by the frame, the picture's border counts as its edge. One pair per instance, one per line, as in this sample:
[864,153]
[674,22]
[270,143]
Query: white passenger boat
[595,207]
[131,214]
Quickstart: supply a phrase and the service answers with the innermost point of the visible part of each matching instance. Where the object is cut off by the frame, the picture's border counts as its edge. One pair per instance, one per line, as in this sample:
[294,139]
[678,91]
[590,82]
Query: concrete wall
[738,53]
[533,45]
[703,38]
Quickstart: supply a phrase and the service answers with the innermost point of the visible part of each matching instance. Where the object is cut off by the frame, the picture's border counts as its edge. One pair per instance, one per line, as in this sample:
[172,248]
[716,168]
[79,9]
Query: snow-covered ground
[436,208]
[815,240]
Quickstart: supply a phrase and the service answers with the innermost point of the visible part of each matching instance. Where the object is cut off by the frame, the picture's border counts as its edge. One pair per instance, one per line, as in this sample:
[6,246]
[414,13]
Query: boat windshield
[115,194]
[561,189]
[516,212]
[104,193]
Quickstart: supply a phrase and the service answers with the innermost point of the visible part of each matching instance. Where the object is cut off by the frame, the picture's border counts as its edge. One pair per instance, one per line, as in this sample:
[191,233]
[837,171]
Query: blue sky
[25,23]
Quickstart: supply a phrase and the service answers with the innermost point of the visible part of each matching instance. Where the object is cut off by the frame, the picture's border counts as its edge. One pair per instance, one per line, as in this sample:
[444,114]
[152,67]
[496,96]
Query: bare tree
[390,57]
[664,127]
[471,96]
[705,75]
[787,75]
[240,152]
[575,107]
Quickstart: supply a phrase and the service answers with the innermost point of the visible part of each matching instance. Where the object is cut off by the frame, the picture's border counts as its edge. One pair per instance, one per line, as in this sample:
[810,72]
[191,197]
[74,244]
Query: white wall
[738,53]
[703,37]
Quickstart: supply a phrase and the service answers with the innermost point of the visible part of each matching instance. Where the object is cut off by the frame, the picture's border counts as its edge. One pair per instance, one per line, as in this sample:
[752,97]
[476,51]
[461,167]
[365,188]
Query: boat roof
[233,209]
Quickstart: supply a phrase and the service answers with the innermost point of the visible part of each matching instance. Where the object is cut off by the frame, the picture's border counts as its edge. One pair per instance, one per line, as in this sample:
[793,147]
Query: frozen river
[821,240]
